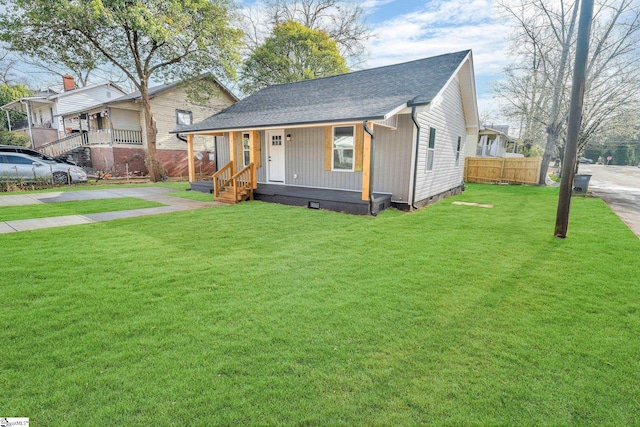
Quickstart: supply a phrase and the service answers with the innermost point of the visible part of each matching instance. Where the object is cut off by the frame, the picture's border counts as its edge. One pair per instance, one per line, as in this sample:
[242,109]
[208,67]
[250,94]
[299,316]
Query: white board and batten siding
[304,162]
[447,116]
[392,159]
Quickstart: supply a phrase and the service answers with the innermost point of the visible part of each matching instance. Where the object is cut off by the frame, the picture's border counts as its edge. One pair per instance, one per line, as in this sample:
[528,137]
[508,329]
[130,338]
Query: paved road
[155,194]
[619,187]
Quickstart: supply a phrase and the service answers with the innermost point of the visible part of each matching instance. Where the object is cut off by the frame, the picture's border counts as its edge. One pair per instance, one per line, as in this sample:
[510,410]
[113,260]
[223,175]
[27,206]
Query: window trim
[189,113]
[333,148]
[246,150]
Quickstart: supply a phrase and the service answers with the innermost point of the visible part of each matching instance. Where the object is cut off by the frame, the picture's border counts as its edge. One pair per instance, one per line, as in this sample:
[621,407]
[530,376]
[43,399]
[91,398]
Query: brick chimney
[68,82]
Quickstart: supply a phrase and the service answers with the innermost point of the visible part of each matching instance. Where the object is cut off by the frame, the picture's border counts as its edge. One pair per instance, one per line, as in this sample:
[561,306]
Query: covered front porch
[252,166]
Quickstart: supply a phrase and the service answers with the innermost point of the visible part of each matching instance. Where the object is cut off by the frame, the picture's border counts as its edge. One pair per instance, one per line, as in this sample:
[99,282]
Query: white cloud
[442,27]
[372,4]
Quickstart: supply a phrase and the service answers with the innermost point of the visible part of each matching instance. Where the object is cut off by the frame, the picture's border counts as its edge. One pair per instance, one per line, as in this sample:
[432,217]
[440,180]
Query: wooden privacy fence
[497,170]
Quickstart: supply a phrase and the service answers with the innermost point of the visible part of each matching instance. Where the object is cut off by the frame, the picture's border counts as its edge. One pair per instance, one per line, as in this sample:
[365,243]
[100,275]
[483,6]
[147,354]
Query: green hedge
[14,138]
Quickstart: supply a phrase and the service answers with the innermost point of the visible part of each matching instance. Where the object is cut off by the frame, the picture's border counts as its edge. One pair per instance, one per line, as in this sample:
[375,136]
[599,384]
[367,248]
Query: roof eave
[21,101]
[287,125]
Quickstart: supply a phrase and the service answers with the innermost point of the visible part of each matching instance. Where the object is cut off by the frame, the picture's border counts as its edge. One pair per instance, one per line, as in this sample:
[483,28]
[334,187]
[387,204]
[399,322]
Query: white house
[356,142]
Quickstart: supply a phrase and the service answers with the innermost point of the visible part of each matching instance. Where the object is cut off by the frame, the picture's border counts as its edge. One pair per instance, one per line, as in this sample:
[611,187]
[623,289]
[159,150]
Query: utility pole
[575,119]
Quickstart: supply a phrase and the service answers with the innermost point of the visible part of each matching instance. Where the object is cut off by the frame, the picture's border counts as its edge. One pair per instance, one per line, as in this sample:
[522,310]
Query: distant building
[494,141]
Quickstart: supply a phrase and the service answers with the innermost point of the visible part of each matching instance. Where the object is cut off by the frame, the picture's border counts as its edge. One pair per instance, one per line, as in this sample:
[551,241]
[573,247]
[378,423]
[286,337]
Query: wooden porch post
[255,153]
[232,152]
[366,164]
[190,162]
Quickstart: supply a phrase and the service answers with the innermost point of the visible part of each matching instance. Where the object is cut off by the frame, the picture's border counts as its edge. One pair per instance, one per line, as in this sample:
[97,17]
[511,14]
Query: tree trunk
[156,171]
[555,123]
[546,159]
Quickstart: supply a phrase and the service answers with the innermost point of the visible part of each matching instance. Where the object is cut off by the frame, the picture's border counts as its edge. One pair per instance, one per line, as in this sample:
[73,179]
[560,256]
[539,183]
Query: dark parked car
[33,153]
[585,160]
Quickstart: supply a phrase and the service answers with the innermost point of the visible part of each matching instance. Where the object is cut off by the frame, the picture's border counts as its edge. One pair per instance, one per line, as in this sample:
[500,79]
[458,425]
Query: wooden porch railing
[234,188]
[64,145]
[243,182]
[102,137]
[222,178]
[122,136]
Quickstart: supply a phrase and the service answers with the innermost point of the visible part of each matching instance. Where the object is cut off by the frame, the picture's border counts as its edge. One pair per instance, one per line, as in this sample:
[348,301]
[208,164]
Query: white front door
[275,144]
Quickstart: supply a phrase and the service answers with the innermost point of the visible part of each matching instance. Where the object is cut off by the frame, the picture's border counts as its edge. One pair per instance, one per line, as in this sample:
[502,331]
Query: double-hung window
[458,151]
[431,148]
[246,149]
[343,148]
[184,118]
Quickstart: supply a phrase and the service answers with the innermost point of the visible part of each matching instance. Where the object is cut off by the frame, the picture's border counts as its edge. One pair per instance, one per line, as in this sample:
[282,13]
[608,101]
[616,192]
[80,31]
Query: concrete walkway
[154,194]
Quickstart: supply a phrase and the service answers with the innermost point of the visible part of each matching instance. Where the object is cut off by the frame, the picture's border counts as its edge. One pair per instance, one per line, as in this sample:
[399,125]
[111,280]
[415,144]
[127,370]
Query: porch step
[226,196]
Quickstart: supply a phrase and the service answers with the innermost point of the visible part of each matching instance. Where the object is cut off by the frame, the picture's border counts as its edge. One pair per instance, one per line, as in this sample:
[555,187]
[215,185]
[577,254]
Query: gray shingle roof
[360,95]
[153,91]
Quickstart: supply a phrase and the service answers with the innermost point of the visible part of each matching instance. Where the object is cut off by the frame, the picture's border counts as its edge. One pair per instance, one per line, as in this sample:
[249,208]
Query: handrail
[82,139]
[246,168]
[61,146]
[243,179]
[222,178]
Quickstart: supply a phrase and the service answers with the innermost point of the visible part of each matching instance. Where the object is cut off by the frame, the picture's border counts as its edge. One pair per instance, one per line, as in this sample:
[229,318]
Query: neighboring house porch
[495,142]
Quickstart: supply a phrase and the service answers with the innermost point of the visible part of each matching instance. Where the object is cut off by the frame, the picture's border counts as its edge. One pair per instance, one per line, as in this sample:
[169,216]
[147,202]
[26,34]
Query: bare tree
[343,20]
[7,65]
[51,70]
[537,84]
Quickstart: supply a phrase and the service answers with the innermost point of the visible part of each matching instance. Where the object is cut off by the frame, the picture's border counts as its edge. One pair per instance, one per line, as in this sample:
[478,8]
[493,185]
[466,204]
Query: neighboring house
[38,120]
[102,127]
[171,107]
[494,141]
[355,142]
[52,116]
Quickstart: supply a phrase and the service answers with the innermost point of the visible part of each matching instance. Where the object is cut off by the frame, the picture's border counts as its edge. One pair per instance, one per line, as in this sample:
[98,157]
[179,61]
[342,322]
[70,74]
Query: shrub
[14,138]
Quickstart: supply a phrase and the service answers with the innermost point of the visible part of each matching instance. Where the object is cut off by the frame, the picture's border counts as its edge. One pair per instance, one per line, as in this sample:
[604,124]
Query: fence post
[502,171]
[466,168]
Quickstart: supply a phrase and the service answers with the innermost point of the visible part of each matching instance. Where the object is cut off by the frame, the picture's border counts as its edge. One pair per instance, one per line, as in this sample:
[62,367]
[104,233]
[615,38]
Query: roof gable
[160,89]
[81,90]
[360,95]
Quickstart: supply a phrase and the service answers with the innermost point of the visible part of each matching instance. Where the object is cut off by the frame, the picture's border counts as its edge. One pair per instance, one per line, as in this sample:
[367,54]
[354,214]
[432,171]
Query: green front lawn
[266,314]
[47,210]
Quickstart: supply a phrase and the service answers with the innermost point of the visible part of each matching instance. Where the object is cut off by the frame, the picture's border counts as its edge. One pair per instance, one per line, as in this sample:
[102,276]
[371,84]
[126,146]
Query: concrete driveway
[619,187]
[155,194]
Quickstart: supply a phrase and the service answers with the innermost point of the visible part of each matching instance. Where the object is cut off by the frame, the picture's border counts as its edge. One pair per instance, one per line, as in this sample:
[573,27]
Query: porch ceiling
[17,105]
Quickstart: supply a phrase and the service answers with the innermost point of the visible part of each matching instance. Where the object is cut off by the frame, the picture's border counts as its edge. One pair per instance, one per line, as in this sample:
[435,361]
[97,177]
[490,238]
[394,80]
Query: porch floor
[318,198]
